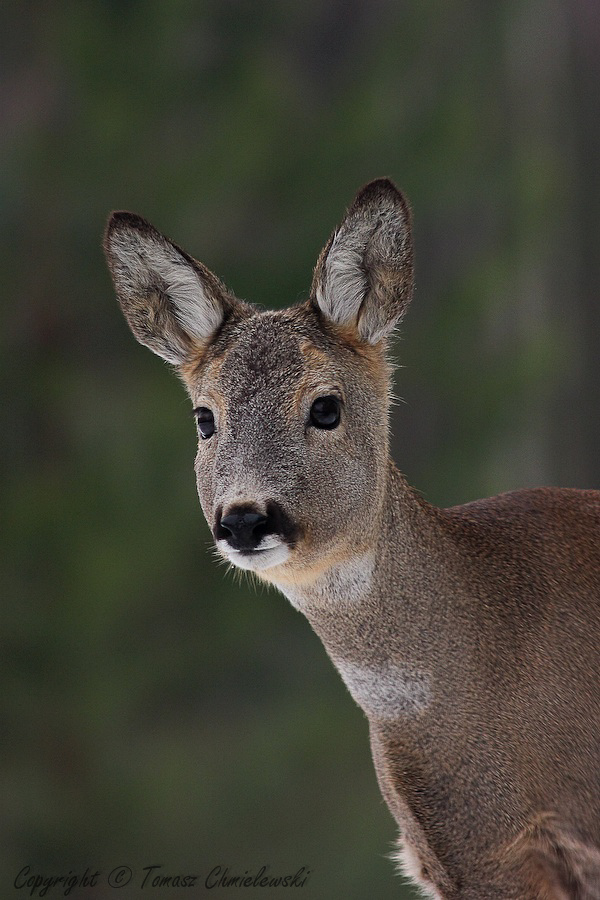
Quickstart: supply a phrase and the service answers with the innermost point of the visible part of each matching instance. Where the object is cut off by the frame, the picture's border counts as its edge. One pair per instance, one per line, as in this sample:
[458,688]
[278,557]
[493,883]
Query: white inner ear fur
[358,246]
[345,282]
[142,259]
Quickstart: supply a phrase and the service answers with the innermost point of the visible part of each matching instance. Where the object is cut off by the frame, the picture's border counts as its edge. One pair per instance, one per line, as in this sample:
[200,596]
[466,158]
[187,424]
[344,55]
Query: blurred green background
[153,710]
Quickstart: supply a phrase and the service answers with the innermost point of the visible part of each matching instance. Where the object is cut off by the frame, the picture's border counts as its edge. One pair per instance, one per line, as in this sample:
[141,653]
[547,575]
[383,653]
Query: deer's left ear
[364,275]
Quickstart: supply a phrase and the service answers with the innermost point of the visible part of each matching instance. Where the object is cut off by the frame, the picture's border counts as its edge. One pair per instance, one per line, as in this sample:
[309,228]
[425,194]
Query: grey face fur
[265,453]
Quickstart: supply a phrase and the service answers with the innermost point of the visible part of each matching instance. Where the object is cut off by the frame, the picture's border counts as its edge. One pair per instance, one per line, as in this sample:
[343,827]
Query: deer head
[291,406]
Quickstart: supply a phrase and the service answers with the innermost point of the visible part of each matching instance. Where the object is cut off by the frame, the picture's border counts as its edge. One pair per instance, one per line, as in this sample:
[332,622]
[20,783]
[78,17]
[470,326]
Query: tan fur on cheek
[201,373]
[299,571]
[371,358]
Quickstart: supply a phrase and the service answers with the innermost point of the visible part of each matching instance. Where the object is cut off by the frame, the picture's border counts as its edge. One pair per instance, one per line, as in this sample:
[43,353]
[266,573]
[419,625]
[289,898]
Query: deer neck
[379,611]
[382,565]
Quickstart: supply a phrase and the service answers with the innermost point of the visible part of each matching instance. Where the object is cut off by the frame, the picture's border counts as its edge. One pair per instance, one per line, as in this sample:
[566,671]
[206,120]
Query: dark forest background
[153,710]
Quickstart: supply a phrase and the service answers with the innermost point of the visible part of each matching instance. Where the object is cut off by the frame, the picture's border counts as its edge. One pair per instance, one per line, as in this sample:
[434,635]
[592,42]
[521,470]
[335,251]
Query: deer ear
[172,303]
[364,276]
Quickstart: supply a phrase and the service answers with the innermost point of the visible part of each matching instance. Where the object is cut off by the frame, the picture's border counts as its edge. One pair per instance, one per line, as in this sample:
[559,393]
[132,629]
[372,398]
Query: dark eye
[325,412]
[206,421]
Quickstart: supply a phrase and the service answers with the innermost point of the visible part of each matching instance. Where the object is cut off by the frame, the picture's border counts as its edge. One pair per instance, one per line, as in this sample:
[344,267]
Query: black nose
[243,528]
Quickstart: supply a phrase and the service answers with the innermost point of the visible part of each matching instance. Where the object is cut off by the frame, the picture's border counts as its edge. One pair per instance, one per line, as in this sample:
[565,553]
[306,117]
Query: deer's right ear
[173,304]
[364,276]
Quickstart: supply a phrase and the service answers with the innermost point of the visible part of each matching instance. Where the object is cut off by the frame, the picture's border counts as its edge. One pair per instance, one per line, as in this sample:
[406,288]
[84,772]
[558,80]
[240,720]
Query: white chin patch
[270,552]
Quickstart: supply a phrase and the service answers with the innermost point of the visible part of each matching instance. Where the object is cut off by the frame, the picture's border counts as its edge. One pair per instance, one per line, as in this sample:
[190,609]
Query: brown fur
[469,636]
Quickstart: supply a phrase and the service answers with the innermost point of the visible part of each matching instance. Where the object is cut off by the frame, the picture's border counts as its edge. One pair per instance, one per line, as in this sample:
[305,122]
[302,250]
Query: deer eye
[325,412]
[205,421]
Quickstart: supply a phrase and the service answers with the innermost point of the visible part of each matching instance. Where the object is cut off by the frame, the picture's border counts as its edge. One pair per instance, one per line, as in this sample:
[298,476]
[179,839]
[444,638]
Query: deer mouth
[271,551]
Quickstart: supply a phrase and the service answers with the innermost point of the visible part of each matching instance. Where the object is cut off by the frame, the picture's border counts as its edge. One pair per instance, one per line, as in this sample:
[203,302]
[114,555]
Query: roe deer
[469,636]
